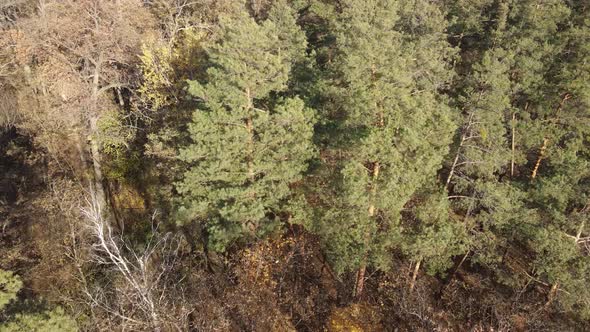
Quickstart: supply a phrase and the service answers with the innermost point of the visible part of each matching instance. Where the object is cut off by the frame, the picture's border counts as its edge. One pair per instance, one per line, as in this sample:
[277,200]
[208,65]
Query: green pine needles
[396,126]
[250,141]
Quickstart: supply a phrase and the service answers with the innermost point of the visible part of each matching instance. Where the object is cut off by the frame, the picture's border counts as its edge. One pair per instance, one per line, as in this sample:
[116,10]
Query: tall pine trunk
[360,277]
[415,274]
[541,156]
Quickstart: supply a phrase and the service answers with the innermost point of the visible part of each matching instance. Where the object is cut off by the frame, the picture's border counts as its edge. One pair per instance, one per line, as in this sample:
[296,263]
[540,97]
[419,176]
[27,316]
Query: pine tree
[472,24]
[249,143]
[559,189]
[10,284]
[48,320]
[482,154]
[396,130]
[534,39]
[431,235]
[291,38]
[545,202]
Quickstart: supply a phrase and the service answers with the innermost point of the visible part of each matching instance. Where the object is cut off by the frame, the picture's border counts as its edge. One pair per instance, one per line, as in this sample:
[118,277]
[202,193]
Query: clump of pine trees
[447,133]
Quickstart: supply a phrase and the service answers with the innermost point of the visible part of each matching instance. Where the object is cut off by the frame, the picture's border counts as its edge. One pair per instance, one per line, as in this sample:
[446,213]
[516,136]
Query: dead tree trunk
[459,150]
[98,190]
[543,150]
[541,156]
[552,294]
[513,144]
[415,274]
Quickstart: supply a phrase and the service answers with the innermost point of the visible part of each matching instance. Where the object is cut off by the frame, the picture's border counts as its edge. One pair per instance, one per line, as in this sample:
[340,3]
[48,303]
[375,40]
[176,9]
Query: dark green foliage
[524,107]
[395,125]
[431,234]
[44,321]
[249,144]
[10,284]
[47,321]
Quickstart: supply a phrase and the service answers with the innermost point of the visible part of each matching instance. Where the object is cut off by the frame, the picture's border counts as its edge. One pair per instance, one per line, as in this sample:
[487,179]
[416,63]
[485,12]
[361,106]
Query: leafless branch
[145,273]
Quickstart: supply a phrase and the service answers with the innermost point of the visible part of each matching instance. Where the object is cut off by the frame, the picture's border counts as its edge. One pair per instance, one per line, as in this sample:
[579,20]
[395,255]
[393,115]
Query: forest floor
[285,280]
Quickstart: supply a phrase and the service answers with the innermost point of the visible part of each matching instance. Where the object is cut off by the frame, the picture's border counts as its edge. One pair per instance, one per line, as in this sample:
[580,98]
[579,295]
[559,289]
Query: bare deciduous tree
[144,294]
[79,55]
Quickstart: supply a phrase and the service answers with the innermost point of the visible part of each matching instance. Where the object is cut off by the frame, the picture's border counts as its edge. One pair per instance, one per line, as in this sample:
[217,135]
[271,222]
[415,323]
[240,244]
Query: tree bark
[580,230]
[552,294]
[452,171]
[360,279]
[99,191]
[541,156]
[415,274]
[463,139]
[543,150]
[458,267]
[513,143]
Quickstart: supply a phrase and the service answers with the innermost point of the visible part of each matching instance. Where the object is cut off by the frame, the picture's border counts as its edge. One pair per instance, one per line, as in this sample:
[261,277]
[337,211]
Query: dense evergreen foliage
[248,142]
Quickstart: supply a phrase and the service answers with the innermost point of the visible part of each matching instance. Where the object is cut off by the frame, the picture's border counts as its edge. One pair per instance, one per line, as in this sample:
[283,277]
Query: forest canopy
[294,165]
